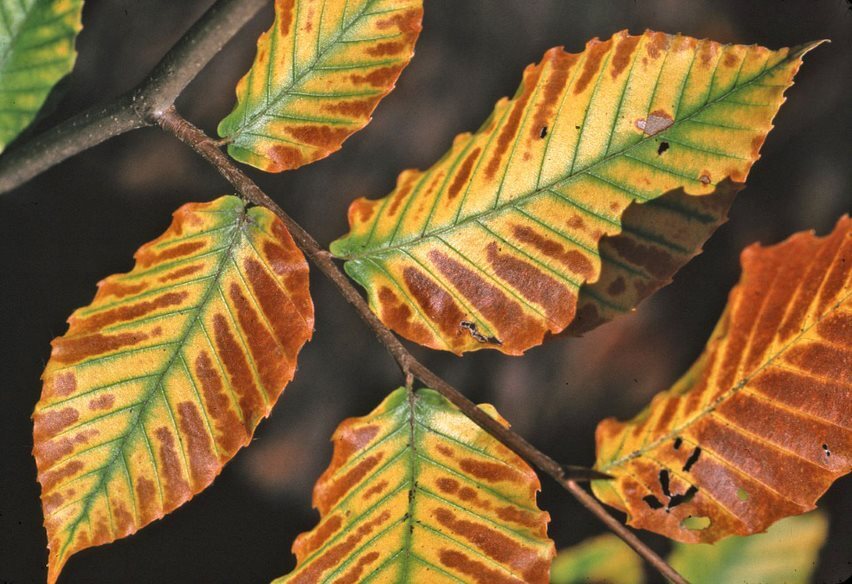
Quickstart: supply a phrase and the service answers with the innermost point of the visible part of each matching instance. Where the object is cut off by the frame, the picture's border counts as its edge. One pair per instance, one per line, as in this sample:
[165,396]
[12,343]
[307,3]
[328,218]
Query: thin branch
[137,108]
[208,148]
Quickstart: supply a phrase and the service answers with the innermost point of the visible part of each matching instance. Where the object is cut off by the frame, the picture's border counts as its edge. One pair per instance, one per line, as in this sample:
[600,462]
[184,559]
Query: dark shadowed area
[82,221]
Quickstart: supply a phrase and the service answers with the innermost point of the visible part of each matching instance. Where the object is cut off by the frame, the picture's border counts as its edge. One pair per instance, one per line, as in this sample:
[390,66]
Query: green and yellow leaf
[416,492]
[604,558]
[318,75]
[36,51]
[166,374]
[761,425]
[786,554]
[490,246]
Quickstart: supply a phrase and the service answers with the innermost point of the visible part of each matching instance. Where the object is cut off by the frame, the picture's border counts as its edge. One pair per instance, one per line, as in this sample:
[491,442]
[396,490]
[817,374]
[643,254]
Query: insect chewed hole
[826,450]
[662,148]
[677,443]
[693,458]
[695,523]
[652,502]
[543,132]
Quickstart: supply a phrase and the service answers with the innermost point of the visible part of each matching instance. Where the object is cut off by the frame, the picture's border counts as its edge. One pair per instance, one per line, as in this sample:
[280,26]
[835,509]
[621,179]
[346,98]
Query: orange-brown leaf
[493,246]
[761,425]
[166,374]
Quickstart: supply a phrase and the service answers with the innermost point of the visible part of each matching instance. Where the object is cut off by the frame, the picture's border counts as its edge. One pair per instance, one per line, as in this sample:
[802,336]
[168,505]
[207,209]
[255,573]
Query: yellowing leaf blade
[319,73]
[786,554]
[166,374]
[760,426]
[416,492]
[36,51]
[490,247]
[604,558]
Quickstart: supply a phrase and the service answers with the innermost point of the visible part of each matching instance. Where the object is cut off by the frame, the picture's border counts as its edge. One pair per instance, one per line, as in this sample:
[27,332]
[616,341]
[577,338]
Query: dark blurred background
[82,220]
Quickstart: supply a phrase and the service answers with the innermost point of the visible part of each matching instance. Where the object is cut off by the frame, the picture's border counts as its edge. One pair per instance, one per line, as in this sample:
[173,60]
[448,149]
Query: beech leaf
[491,246]
[166,374]
[319,73]
[604,558]
[761,425]
[416,492]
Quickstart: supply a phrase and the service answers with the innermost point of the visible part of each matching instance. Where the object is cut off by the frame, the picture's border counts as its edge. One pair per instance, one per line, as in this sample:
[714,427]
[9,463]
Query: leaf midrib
[369,252]
[156,386]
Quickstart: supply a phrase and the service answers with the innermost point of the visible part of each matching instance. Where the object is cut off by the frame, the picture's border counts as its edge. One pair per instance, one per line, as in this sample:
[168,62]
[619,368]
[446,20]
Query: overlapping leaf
[416,492]
[319,73]
[489,247]
[604,558]
[36,51]
[786,554]
[162,378]
[761,425]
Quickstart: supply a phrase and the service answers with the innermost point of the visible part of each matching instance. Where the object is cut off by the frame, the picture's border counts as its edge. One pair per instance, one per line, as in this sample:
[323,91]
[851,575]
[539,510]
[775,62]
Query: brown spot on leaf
[145,495]
[398,316]
[381,77]
[658,43]
[328,493]
[491,472]
[479,572]
[657,121]
[497,546]
[386,48]
[54,476]
[311,541]
[203,463]
[47,424]
[230,431]
[147,257]
[447,485]
[623,51]
[354,574]
[175,488]
[325,137]
[435,302]
[75,349]
[376,489]
[127,313]
[356,108]
[561,64]
[112,287]
[124,524]
[180,273]
[283,157]
[284,12]
[102,402]
[572,259]
[731,59]
[63,384]
[595,51]
[236,364]
[462,174]
[361,210]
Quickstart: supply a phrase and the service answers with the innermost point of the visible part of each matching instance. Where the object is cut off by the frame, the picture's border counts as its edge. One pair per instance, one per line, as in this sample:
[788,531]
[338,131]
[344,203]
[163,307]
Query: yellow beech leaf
[166,374]
[489,247]
[416,492]
[604,558]
[761,425]
[786,554]
[318,75]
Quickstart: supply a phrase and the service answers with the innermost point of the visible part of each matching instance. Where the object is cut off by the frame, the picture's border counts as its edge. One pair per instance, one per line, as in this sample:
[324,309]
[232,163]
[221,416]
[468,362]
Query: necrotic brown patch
[623,51]
[231,433]
[320,136]
[284,12]
[356,108]
[330,493]
[535,285]
[62,385]
[74,349]
[283,157]
[572,259]
[147,257]
[561,64]
[381,77]
[595,51]
[291,317]
[497,546]
[112,287]
[181,273]
[175,488]
[239,372]
[309,542]
[203,463]
[354,574]
[397,315]
[491,472]
[145,495]
[102,402]
[462,174]
[479,572]
[435,302]
[47,424]
[53,477]
[128,313]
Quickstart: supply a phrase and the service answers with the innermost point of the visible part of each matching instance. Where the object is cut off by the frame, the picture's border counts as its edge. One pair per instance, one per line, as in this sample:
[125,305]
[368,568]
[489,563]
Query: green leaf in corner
[604,558]
[36,51]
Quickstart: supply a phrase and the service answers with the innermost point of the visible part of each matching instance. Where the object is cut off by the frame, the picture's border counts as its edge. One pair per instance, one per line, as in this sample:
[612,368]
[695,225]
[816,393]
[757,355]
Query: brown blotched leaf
[165,375]
[761,425]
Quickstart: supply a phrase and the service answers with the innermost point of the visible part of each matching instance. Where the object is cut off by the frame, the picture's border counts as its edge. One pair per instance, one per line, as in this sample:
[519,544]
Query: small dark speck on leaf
[678,441]
[827,451]
[662,148]
[543,132]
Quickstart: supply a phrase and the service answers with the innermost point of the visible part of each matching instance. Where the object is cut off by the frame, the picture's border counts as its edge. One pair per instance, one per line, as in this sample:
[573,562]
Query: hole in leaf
[695,523]
[662,148]
[827,451]
[543,132]
[693,458]
[676,500]
[742,494]
[678,442]
[652,502]
[664,483]
[474,332]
